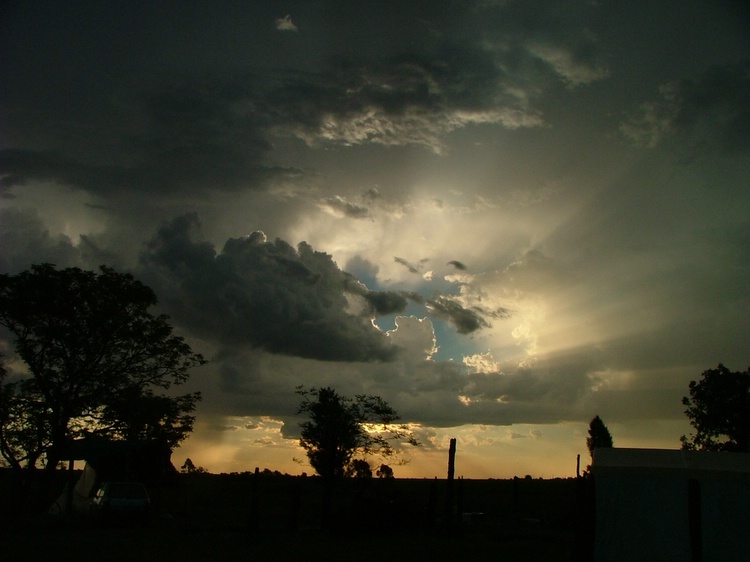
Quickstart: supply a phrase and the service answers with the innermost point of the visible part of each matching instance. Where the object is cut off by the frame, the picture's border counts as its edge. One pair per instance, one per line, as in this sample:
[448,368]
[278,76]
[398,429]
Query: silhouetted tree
[359,468]
[339,427]
[138,414]
[719,410]
[190,468]
[95,356]
[599,436]
[24,431]
[384,471]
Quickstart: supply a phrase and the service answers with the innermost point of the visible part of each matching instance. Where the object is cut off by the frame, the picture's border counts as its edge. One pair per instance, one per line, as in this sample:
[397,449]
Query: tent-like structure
[671,505]
[148,462]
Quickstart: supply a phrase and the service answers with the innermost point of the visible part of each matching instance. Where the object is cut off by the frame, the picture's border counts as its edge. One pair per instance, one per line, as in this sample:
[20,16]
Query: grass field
[277,518]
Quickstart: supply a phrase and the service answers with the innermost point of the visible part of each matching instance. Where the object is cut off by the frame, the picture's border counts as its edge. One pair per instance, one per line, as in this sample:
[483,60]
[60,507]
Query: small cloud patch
[285,24]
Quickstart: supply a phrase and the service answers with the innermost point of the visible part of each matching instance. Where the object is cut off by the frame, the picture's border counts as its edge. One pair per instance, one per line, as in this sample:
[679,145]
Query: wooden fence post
[451,476]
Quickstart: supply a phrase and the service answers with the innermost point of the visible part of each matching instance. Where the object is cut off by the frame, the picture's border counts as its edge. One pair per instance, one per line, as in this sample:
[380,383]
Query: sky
[503,217]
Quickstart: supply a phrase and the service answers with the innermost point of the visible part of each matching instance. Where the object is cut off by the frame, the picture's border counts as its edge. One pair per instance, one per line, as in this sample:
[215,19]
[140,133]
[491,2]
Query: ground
[267,517]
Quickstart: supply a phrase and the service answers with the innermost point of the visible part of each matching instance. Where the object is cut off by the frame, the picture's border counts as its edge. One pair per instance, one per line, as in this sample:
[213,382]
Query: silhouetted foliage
[359,468]
[599,436]
[24,431]
[719,411]
[139,414]
[189,468]
[95,358]
[384,471]
[338,429]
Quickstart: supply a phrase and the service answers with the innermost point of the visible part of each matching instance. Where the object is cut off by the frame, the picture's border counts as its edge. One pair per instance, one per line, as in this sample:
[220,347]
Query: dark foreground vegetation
[275,517]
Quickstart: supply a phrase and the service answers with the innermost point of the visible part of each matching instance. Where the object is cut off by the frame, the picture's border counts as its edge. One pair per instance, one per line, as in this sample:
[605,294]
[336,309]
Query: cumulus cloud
[264,294]
[274,297]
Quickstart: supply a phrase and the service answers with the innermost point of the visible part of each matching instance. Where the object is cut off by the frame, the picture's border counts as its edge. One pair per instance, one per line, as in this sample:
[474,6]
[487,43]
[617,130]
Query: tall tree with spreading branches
[98,363]
[719,410]
[340,428]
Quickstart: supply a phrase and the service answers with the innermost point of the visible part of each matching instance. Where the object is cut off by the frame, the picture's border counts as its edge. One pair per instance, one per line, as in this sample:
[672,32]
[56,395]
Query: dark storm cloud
[19,166]
[386,302]
[712,112]
[457,265]
[464,319]
[411,267]
[528,385]
[404,100]
[24,241]
[560,387]
[158,129]
[557,36]
[204,135]
[431,393]
[192,137]
[720,102]
[265,294]
[378,303]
